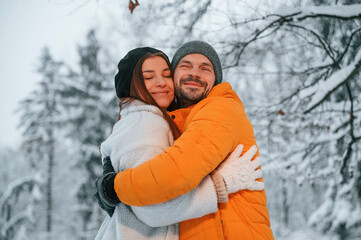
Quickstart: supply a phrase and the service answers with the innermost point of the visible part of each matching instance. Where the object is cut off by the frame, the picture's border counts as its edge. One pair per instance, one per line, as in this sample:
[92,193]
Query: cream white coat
[140,135]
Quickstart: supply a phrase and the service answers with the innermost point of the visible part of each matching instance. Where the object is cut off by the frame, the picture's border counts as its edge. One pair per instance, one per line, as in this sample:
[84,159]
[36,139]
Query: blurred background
[294,64]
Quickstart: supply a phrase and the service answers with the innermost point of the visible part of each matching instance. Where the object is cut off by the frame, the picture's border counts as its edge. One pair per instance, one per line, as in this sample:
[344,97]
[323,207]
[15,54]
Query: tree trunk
[49,188]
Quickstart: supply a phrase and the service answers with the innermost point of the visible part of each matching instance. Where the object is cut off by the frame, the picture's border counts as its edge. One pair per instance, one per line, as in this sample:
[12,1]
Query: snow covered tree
[16,219]
[40,120]
[91,105]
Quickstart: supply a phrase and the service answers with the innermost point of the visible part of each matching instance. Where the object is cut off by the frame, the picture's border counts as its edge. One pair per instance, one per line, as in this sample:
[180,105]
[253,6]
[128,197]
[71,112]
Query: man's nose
[194,72]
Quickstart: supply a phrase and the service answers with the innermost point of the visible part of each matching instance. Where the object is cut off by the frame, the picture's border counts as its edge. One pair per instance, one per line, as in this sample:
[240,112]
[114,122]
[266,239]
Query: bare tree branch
[323,42]
[199,14]
[280,21]
[348,44]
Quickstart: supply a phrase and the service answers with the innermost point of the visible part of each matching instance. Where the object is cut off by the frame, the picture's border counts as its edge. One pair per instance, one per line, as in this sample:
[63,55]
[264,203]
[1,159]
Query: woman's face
[158,80]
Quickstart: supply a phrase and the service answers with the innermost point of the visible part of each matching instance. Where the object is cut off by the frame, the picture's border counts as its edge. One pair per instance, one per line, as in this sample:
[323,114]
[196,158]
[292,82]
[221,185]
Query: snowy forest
[294,64]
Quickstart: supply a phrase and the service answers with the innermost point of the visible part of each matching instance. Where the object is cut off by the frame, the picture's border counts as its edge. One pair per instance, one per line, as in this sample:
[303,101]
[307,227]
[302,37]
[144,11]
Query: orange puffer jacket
[211,130]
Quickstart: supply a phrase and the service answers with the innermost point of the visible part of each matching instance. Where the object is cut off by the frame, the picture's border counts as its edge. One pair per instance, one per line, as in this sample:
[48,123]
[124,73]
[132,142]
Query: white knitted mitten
[239,173]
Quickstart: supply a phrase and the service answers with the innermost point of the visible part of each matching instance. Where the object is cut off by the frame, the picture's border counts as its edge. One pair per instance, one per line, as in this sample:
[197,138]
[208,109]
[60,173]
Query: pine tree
[41,113]
[92,110]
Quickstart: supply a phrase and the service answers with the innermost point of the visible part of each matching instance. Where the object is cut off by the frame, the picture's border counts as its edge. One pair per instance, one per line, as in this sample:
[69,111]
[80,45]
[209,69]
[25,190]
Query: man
[213,122]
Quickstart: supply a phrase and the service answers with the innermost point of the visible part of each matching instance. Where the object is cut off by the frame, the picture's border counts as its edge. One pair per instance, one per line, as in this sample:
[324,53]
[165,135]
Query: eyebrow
[202,64]
[206,64]
[185,61]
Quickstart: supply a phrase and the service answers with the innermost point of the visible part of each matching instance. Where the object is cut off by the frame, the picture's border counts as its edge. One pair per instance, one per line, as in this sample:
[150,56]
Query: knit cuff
[222,194]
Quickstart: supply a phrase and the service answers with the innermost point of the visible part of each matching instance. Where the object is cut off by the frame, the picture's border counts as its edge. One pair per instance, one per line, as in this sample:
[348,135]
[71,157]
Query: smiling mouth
[192,84]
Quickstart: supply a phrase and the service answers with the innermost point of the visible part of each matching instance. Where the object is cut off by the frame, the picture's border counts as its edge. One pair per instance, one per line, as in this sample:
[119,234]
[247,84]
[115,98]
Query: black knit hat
[125,69]
[203,48]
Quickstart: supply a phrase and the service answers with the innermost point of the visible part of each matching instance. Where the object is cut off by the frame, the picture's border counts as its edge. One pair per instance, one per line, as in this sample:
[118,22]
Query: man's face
[194,78]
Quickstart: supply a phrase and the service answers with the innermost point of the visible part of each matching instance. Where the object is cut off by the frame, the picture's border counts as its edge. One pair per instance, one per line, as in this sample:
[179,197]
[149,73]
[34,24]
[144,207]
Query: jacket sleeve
[197,203]
[146,135]
[211,132]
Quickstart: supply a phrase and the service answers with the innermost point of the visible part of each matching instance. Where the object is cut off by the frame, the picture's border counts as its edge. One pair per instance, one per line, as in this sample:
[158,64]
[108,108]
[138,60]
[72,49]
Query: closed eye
[184,66]
[206,69]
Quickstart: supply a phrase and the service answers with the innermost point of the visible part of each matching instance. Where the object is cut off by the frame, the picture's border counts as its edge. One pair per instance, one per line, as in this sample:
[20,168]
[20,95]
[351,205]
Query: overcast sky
[26,26]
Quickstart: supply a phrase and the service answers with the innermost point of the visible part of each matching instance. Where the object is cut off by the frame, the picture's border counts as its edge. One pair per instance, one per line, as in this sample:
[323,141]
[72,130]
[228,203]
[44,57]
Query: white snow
[340,11]
[341,212]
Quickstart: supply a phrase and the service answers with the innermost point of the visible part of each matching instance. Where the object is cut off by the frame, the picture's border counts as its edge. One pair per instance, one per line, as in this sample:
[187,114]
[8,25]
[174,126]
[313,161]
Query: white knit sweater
[140,135]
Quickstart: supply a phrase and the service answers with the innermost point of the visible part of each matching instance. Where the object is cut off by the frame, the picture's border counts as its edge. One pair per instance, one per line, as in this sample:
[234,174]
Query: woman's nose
[160,81]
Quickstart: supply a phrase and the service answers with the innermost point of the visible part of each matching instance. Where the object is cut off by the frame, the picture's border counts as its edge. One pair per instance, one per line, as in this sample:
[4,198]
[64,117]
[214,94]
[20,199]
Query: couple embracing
[181,161]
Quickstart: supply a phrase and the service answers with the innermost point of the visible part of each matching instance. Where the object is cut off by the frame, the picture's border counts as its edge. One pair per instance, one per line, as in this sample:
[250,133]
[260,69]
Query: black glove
[106,195]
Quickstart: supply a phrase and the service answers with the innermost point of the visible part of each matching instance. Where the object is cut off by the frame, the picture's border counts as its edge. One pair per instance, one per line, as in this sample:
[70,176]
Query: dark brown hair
[139,91]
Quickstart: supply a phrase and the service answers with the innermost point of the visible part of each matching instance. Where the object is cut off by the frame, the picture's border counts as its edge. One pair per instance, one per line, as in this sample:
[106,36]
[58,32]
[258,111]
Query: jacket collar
[224,90]
[220,89]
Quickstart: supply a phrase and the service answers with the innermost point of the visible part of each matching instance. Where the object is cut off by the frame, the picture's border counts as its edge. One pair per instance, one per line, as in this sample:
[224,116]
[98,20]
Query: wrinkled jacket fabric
[139,135]
[211,130]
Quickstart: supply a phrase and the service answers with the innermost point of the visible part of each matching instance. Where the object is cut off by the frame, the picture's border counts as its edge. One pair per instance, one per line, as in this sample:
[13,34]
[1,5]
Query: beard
[189,95]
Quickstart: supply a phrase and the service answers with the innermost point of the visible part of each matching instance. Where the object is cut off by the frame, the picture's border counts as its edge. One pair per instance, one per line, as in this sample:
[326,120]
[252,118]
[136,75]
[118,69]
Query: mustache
[191,78]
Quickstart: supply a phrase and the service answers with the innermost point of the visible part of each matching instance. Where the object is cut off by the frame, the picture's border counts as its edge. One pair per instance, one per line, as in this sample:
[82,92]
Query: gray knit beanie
[203,48]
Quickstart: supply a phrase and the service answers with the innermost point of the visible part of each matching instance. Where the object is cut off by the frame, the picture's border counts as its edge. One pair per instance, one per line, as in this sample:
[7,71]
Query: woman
[143,131]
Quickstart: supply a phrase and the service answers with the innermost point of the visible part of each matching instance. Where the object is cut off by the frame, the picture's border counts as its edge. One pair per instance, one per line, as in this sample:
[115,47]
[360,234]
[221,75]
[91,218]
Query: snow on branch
[17,186]
[9,199]
[345,12]
[17,218]
[324,88]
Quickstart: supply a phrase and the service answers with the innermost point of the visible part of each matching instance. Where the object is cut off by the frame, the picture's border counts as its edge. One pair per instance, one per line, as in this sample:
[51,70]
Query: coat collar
[220,89]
